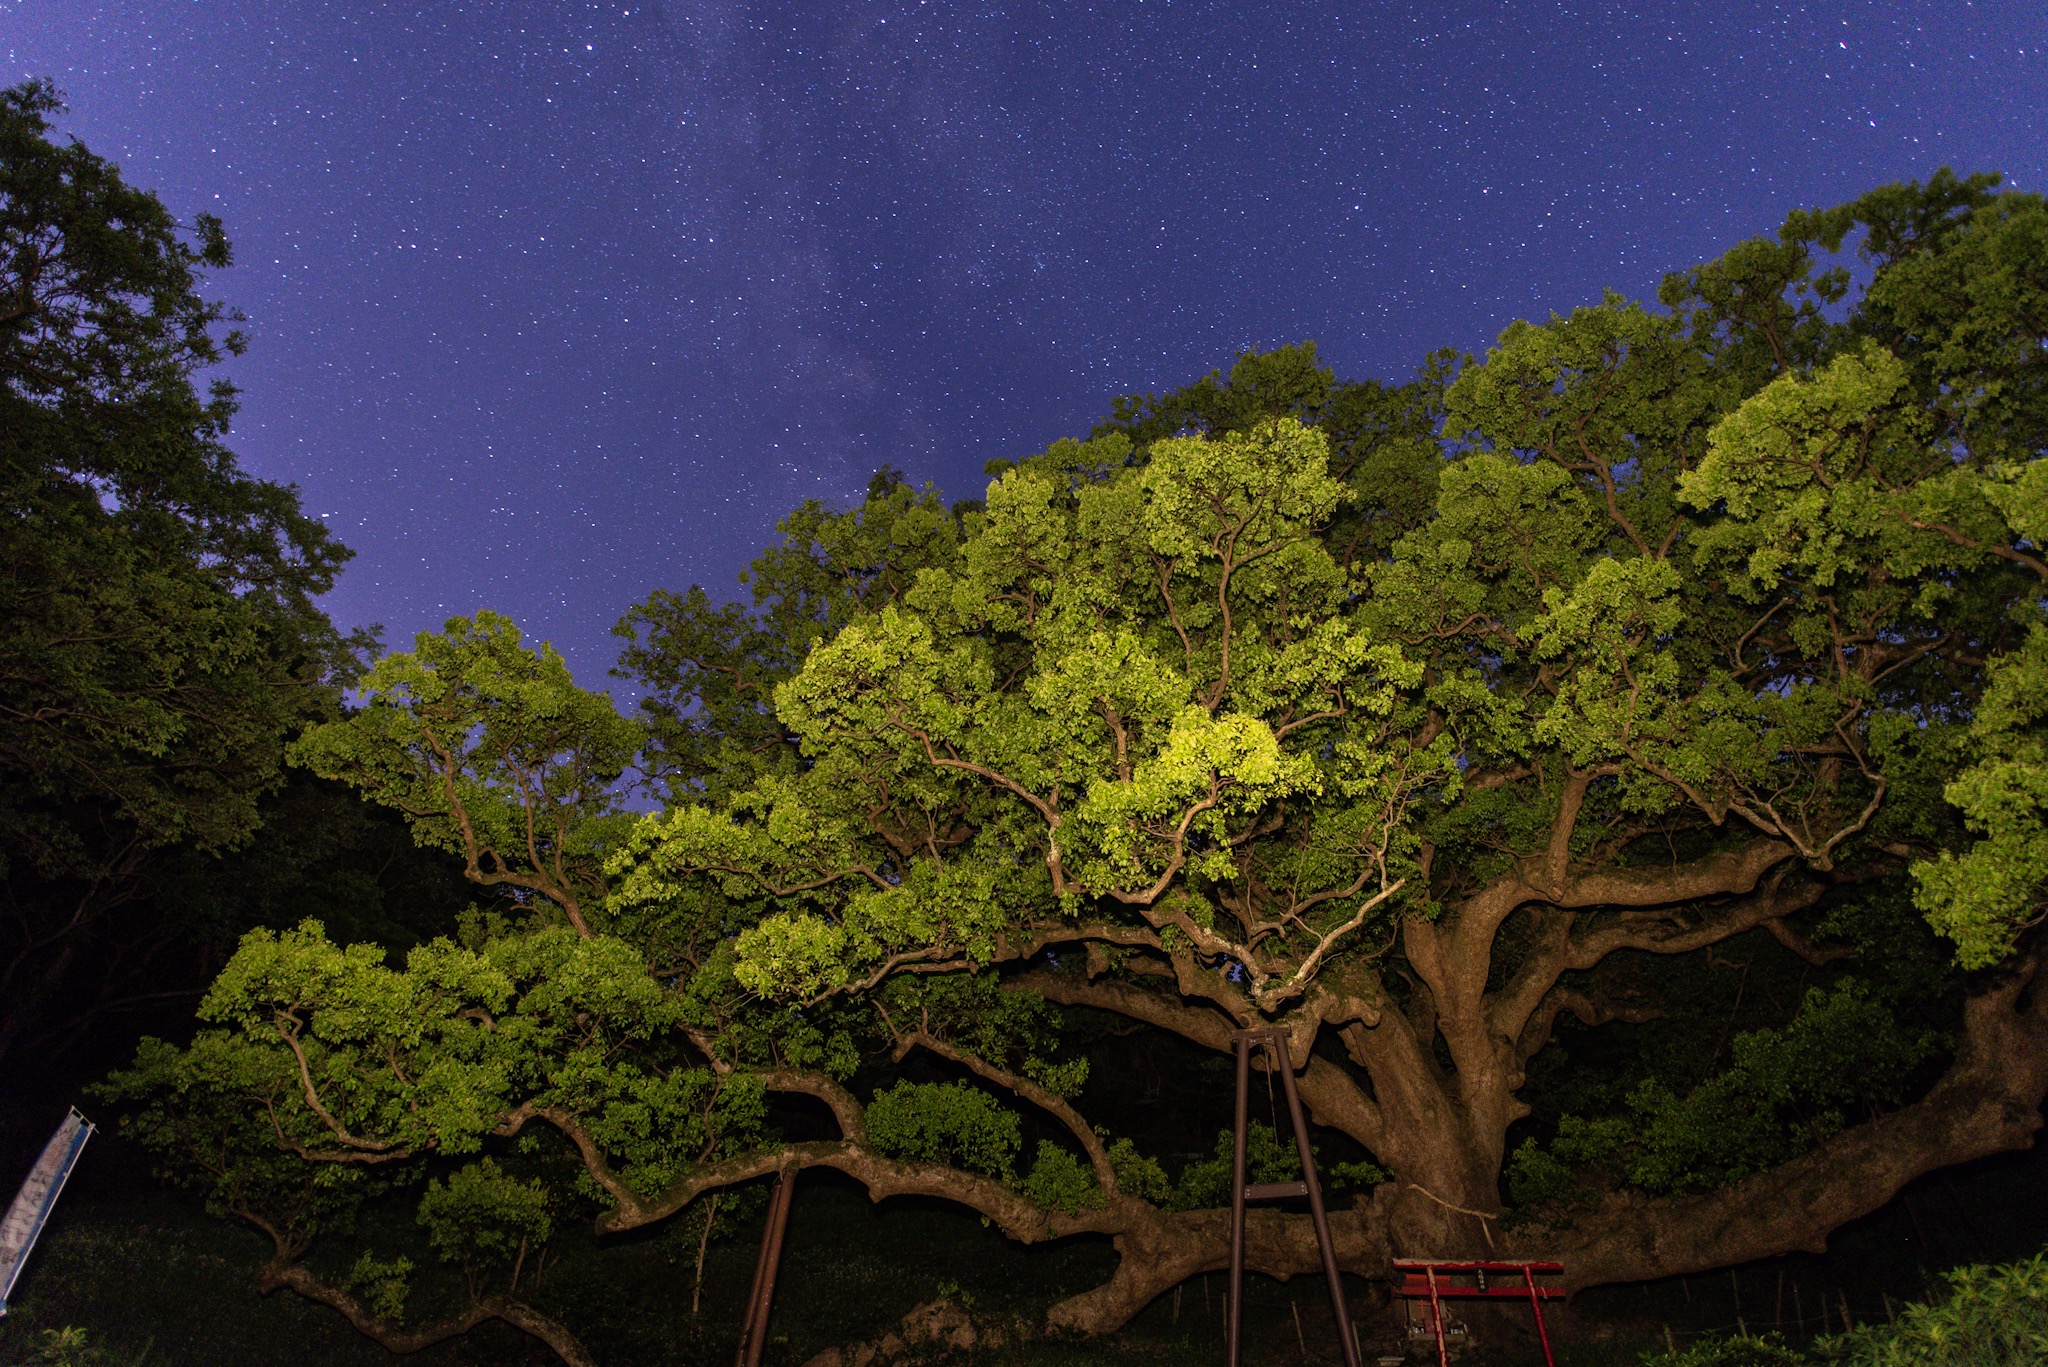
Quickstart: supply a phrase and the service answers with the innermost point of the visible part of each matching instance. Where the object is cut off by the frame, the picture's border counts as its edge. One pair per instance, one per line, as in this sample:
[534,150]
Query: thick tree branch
[1719,874]
[1988,1102]
[884,1177]
[1205,1026]
[847,1112]
[1587,1010]
[1050,1102]
[399,1339]
[1558,951]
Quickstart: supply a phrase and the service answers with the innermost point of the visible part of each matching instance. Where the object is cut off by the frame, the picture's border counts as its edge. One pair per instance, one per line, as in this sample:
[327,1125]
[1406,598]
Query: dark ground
[155,1283]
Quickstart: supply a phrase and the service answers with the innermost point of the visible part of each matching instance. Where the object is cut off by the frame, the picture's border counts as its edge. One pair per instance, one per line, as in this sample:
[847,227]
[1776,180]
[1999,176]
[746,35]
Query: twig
[1486,1221]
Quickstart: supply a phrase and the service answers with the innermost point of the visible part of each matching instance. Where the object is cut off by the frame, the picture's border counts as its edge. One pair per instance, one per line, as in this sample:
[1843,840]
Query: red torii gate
[1430,1279]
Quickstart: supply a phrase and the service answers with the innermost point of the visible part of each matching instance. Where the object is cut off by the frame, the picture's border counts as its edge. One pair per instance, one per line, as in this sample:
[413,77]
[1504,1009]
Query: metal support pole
[1277,1058]
[1233,1313]
[1277,1047]
[760,1299]
[760,1280]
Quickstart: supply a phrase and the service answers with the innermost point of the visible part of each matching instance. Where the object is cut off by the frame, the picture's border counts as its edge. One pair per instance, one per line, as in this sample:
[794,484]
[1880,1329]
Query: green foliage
[707,674]
[162,643]
[492,752]
[1536,1175]
[1138,1175]
[662,1127]
[1288,382]
[1984,896]
[68,1346]
[1061,1079]
[1783,1092]
[1737,1350]
[1961,294]
[419,1061]
[1015,1028]
[1060,1181]
[192,1109]
[946,1122]
[1987,1317]
[1107,711]
[1355,1176]
[297,996]
[382,1286]
[482,1216]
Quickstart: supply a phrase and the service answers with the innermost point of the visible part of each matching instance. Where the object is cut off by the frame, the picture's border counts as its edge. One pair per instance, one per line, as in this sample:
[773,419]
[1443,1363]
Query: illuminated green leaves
[1208,772]
[1983,896]
[382,1285]
[946,1122]
[482,1216]
[1130,661]
[492,752]
[1243,495]
[1803,468]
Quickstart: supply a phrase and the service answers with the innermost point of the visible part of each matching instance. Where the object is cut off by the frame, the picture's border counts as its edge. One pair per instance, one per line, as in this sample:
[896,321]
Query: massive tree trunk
[1423,1070]
[1442,1138]
[1987,1103]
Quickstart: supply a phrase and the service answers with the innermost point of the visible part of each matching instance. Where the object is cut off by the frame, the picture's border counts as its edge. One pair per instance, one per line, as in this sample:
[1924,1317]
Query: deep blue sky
[554,304]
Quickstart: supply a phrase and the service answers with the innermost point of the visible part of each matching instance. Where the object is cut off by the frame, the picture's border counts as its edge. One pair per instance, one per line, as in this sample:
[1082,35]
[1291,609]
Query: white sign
[31,1208]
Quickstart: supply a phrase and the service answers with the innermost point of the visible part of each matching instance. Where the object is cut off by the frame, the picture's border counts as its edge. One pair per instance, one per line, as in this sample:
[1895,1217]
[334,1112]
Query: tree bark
[1158,1250]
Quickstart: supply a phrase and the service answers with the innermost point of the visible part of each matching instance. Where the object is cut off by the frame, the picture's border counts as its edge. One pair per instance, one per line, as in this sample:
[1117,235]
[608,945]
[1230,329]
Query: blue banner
[32,1205]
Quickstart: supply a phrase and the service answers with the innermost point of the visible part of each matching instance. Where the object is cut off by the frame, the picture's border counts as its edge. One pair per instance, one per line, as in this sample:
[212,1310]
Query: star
[554,307]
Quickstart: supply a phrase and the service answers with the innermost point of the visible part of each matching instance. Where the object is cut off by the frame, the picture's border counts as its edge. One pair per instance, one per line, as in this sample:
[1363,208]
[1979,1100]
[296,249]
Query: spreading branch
[400,1339]
[1052,1103]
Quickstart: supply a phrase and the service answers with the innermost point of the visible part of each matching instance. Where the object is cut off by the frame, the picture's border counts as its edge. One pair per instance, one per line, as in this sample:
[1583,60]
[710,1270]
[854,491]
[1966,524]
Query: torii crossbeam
[1432,1279]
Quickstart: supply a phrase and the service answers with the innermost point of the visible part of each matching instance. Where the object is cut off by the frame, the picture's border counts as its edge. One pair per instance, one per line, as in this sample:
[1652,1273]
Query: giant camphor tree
[1442,725]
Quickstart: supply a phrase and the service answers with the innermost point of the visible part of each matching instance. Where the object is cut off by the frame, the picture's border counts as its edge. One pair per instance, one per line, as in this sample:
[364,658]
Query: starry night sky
[557,303]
